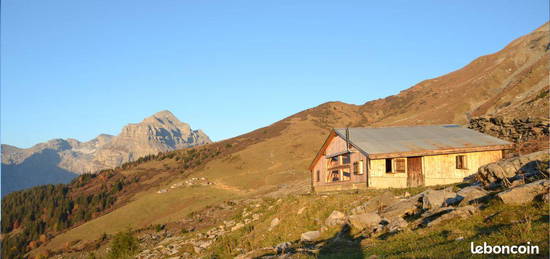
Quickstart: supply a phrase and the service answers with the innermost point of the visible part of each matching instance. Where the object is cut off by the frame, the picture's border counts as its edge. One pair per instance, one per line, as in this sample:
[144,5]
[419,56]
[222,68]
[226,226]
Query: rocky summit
[60,160]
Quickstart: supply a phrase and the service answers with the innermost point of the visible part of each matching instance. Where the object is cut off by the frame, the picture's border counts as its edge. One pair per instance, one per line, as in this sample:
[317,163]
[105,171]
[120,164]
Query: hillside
[272,161]
[60,160]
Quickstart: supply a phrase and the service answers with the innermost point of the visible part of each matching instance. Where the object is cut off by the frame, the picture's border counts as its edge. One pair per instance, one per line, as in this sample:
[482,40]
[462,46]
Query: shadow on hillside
[342,245]
[39,169]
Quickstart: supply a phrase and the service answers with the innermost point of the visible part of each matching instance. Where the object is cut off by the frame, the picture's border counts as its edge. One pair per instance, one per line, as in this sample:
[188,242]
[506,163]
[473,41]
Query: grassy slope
[279,154]
[496,224]
[148,208]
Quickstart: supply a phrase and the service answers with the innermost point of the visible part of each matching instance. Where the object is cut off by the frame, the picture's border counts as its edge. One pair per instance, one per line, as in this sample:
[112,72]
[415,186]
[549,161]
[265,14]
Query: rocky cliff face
[59,160]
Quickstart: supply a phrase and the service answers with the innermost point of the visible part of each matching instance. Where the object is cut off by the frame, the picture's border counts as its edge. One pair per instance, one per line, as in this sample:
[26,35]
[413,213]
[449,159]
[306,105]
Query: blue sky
[75,69]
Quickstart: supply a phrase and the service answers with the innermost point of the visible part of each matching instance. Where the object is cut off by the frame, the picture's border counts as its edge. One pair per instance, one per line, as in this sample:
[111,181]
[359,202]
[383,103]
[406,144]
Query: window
[461,162]
[400,165]
[318,175]
[346,176]
[346,158]
[333,161]
[334,176]
[389,168]
[358,167]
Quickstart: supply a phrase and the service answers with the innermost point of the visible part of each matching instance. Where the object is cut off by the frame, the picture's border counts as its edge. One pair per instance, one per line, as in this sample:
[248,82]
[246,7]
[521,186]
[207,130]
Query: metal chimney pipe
[347,139]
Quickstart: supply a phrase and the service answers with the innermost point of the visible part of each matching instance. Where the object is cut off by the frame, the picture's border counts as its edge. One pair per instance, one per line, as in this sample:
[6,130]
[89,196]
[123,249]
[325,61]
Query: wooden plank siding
[356,181]
[441,169]
[437,169]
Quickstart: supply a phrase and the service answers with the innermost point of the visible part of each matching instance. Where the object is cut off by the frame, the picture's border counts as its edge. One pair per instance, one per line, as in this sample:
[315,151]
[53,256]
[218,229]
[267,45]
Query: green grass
[147,208]
[496,224]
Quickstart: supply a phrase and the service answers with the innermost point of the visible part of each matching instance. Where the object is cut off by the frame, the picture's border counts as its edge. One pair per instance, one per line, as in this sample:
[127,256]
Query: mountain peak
[164,114]
[163,117]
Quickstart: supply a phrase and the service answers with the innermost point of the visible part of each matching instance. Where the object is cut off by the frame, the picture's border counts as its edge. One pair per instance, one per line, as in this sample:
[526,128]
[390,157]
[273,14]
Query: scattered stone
[467,194]
[237,227]
[283,247]
[301,210]
[229,223]
[364,221]
[434,199]
[176,185]
[524,193]
[162,191]
[336,218]
[256,217]
[376,203]
[310,236]
[396,224]
[274,222]
[402,208]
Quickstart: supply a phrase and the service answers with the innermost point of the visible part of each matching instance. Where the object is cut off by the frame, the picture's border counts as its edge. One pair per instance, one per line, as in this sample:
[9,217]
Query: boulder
[380,202]
[461,212]
[504,169]
[401,209]
[434,199]
[364,221]
[524,193]
[467,194]
[396,224]
[310,236]
[336,218]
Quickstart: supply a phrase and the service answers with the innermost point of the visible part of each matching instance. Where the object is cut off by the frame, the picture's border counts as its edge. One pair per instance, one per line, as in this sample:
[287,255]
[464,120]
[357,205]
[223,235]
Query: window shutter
[400,165]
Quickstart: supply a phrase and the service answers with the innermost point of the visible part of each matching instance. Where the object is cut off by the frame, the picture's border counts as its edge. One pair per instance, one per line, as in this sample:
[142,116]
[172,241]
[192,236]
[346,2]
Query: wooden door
[414,172]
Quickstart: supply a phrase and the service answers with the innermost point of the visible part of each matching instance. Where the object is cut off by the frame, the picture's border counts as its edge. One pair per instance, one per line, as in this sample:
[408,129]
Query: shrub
[124,245]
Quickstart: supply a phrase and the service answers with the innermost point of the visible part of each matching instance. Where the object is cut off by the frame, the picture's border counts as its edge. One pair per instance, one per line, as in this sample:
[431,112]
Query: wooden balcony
[342,166]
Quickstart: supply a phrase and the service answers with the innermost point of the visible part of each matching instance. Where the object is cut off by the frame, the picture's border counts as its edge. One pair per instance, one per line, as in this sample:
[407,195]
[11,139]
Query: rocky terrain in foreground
[60,160]
[502,200]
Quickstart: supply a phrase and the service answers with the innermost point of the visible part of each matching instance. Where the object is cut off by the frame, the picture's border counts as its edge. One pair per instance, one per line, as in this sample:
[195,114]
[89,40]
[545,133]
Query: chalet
[359,158]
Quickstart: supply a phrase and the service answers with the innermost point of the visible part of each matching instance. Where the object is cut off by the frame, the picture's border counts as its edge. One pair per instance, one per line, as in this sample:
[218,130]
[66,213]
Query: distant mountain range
[60,160]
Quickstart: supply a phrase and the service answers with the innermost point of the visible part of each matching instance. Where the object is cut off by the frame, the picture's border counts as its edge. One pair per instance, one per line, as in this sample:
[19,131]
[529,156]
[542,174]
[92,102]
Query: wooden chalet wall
[438,169]
[357,181]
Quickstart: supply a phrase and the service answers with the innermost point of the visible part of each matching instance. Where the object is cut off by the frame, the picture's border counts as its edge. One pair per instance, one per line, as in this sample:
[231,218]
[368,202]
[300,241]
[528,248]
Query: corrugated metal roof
[417,138]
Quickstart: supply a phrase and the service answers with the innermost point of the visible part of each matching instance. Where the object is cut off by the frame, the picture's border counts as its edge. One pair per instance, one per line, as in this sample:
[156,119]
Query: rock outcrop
[60,160]
[505,170]
[336,218]
[310,236]
[524,193]
[512,129]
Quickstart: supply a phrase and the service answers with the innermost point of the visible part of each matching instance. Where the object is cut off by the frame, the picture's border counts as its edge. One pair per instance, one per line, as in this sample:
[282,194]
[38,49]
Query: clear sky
[75,69]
